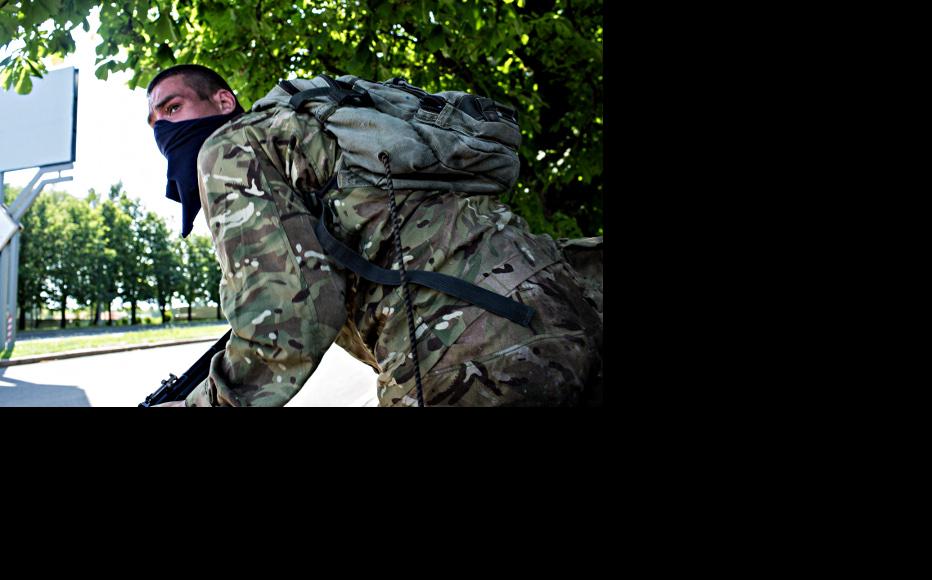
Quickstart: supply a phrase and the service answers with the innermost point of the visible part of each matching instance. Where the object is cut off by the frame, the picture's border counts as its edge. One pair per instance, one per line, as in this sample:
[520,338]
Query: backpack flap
[450,141]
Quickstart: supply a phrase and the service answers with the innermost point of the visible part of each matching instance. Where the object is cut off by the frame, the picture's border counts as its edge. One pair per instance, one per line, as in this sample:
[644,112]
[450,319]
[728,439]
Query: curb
[25,360]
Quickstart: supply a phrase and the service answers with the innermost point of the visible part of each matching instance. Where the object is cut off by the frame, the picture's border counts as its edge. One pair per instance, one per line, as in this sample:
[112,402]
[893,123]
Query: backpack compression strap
[485,299]
[340,92]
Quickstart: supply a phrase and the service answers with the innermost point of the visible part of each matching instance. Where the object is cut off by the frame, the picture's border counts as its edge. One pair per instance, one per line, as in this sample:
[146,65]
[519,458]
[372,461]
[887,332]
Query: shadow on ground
[17,393]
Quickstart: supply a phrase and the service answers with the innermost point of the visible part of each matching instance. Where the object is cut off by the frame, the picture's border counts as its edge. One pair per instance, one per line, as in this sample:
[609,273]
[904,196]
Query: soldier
[287,300]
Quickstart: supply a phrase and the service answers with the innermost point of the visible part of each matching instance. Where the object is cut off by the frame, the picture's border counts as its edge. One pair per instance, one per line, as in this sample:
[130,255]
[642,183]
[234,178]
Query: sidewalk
[25,360]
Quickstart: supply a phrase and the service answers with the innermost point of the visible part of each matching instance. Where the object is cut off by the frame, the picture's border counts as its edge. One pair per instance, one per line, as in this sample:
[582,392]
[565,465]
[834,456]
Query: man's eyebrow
[159,105]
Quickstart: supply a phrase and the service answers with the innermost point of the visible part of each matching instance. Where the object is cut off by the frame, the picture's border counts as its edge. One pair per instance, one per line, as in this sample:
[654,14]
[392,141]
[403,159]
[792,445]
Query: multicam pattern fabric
[465,145]
[287,302]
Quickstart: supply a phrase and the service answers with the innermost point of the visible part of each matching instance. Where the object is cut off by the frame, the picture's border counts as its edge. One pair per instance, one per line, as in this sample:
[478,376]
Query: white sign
[8,226]
[39,128]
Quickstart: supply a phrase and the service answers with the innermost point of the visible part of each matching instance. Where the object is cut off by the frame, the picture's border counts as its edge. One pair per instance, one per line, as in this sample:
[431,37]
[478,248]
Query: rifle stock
[178,388]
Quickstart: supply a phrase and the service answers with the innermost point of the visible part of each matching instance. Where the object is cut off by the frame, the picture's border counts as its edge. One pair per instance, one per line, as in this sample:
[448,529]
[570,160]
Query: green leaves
[23,82]
[544,59]
[436,39]
[103,71]
[165,56]
[165,29]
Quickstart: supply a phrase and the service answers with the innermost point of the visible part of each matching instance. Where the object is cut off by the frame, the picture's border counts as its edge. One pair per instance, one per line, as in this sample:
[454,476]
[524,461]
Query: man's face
[173,100]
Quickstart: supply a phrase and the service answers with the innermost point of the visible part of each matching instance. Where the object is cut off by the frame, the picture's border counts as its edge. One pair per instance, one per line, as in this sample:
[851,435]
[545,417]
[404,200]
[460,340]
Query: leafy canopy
[543,58]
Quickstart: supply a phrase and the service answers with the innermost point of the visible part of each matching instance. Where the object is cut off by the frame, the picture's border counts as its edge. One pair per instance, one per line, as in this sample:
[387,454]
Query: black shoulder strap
[340,92]
[288,87]
[486,299]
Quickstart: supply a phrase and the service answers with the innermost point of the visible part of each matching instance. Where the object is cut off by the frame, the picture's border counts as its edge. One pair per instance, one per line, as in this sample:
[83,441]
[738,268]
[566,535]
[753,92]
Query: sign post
[50,111]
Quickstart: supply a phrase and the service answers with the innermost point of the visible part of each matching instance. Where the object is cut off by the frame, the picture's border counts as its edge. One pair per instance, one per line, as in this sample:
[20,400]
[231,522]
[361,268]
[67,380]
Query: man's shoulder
[247,119]
[272,120]
[257,133]
[230,137]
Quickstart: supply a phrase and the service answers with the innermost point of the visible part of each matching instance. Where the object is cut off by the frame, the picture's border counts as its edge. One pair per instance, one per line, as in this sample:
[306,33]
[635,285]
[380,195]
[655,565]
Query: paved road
[124,379]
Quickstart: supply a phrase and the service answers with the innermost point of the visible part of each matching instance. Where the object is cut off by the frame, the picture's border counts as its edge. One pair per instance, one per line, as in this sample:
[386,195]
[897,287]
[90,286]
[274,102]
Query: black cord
[396,233]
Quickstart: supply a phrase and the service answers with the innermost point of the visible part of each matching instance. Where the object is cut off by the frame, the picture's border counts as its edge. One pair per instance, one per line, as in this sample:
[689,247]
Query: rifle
[178,388]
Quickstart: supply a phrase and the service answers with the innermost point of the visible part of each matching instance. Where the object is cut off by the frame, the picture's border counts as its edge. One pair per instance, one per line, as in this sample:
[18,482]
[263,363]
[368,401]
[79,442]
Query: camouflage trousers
[557,361]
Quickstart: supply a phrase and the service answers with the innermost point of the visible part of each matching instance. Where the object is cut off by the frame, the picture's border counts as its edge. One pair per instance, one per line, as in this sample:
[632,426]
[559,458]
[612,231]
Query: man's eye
[172,108]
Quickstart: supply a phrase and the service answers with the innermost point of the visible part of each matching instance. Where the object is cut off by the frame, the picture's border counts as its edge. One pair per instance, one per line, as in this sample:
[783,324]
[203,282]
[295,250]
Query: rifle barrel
[178,388]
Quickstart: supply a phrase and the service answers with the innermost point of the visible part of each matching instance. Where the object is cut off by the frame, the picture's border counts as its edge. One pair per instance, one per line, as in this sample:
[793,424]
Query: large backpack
[393,134]
[448,141]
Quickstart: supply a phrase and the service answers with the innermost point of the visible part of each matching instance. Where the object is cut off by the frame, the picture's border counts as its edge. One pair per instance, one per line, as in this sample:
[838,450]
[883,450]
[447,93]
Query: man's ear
[225,100]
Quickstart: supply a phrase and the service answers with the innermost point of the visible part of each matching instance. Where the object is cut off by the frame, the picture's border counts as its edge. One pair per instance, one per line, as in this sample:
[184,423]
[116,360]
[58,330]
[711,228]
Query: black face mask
[180,142]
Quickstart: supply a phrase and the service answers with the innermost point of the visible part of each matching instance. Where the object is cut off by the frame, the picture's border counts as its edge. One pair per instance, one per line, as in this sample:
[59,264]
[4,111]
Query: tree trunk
[162,311]
[22,318]
[109,313]
[132,309]
[64,308]
[96,312]
[218,312]
[189,311]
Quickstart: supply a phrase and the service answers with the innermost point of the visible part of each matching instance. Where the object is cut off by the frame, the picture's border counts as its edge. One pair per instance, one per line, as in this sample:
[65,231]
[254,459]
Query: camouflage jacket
[287,302]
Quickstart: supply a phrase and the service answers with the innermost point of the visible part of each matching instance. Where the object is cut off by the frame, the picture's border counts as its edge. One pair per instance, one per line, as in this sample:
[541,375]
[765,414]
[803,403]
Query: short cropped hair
[202,80]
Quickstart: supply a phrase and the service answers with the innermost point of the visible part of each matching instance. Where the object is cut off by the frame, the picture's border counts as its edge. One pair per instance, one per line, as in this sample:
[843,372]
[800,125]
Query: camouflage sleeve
[278,291]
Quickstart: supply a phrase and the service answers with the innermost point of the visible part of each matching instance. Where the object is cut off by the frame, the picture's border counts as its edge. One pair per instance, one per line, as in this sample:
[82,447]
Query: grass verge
[54,345]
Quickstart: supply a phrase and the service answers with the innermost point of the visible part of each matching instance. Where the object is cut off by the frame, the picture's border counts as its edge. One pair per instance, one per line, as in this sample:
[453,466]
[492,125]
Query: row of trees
[107,247]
